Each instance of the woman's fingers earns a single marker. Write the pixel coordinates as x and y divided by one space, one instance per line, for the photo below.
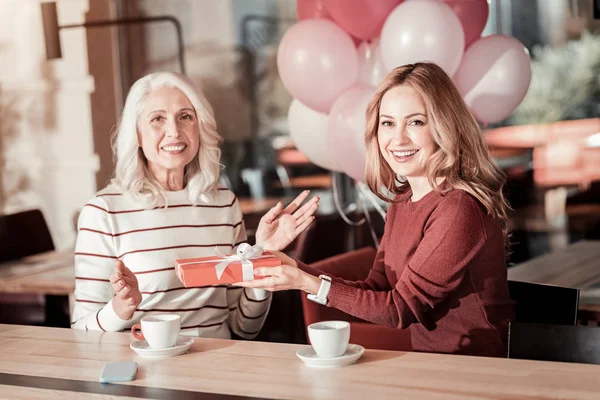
118 285
124 293
300 228
113 278
268 271
273 213
275 278
270 283
307 210
293 206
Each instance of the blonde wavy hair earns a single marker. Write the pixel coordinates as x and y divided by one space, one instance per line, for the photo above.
131 172
461 157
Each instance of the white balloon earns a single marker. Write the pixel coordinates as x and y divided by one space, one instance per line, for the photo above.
423 31
346 132
308 128
370 63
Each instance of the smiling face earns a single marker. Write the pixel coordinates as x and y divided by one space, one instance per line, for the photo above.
403 134
168 131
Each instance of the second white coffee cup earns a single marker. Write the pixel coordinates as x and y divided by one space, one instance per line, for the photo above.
329 338
160 331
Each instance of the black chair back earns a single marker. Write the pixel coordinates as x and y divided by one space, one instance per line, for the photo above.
578 344
544 304
24 234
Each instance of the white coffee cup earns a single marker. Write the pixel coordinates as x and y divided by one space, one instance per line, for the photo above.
329 338
160 331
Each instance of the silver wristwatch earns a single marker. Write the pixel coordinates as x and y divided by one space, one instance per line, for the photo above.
321 296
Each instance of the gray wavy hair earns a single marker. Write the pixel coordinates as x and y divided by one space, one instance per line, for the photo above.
131 172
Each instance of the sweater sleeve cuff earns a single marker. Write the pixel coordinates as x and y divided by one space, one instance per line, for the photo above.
308 269
109 321
257 294
341 296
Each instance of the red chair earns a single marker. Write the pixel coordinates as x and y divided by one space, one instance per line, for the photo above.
355 265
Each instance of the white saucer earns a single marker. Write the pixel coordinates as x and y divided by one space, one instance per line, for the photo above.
181 346
352 354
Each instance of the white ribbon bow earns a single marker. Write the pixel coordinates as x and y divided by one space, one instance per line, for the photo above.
244 254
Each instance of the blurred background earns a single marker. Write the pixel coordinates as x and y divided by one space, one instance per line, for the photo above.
66 67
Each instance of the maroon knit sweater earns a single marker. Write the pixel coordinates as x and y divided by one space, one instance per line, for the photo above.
441 270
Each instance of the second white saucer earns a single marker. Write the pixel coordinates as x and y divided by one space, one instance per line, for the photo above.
352 354
142 348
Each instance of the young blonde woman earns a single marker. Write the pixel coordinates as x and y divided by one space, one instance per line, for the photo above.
440 269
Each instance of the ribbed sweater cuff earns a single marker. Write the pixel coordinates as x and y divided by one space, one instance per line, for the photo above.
109 321
257 294
341 297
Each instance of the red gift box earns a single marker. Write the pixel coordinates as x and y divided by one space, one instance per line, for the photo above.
217 270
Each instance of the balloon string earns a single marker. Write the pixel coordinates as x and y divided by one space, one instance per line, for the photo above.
371 197
336 201
369 222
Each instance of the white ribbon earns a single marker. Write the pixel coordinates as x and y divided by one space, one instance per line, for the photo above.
244 254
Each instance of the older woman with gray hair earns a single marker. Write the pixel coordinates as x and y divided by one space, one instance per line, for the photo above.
164 204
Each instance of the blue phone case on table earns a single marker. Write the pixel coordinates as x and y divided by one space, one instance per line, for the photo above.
118 372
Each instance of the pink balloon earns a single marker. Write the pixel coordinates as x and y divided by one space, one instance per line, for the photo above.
346 130
494 77
308 129
317 61
361 18
473 15
309 9
423 30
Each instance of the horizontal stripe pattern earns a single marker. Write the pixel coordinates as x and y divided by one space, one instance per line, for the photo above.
101 194
159 228
148 241
204 246
95 255
90 301
81 278
174 206
176 310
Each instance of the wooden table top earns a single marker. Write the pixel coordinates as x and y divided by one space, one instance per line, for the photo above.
577 266
320 181
581 217
272 370
509 157
46 273
261 206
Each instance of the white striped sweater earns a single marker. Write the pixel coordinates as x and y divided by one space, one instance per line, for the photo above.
148 241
